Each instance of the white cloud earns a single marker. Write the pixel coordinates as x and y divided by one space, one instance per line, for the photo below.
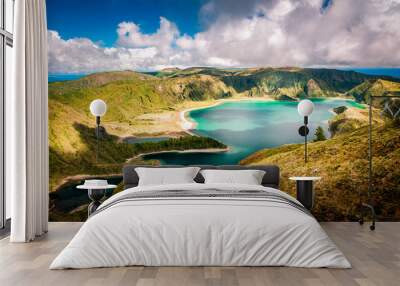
282 9
249 33
130 36
84 56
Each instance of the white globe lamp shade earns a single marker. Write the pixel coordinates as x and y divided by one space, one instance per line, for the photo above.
98 107
305 107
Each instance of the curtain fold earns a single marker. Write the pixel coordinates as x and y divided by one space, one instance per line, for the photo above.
28 159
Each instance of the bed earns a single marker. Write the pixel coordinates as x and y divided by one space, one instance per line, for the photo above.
198 224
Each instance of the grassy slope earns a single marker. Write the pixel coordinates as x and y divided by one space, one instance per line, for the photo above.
113 154
342 162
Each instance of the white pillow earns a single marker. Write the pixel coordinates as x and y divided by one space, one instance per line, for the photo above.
166 176
247 177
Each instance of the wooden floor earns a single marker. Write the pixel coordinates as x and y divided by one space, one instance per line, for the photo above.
375 257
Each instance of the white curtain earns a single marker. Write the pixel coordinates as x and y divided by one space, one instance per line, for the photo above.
27 157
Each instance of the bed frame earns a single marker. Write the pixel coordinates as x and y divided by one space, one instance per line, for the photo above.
270 179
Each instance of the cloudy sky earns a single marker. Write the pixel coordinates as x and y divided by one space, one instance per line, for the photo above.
153 34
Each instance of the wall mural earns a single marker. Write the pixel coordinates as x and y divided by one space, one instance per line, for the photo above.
218 82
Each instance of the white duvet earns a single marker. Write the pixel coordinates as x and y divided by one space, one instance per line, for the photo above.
194 231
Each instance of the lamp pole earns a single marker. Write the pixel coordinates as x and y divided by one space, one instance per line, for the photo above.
97 137
305 138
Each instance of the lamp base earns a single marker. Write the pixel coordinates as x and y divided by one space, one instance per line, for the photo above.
305 193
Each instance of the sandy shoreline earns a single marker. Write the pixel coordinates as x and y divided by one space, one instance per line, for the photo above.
188 124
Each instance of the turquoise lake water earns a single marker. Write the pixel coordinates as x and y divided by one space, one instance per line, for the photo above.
248 126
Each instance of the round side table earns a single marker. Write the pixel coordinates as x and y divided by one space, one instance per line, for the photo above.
304 190
95 194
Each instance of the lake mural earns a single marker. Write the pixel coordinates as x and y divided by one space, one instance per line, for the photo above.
248 126
204 82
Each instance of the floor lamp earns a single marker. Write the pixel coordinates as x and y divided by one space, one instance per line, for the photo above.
394 115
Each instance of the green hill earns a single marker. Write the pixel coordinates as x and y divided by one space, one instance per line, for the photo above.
128 95
342 162
374 87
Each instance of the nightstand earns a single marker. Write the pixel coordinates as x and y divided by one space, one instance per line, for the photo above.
304 190
95 193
